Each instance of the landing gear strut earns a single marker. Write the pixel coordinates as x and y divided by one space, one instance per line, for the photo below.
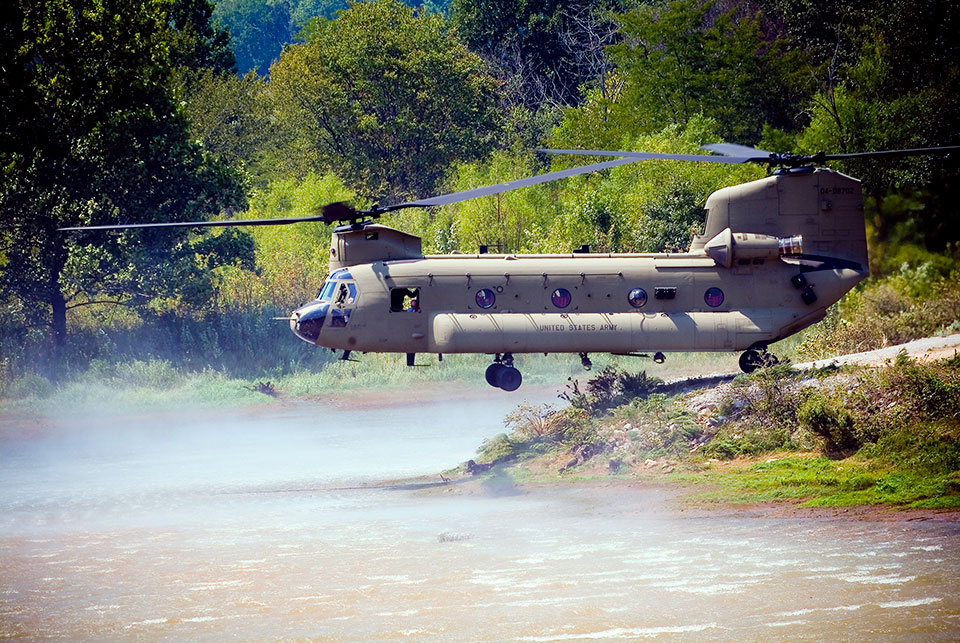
757 357
502 374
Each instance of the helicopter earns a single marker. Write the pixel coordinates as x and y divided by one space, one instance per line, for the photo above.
775 253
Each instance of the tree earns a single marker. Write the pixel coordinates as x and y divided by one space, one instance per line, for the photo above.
231 118
387 98
547 49
91 135
679 59
196 42
896 85
258 30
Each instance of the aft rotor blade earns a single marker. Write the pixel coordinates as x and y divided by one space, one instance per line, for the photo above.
456 197
910 152
650 156
198 224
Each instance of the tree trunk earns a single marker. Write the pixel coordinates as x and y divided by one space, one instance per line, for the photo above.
58 314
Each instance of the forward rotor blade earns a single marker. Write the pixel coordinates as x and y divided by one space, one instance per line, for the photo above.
330 213
732 149
198 224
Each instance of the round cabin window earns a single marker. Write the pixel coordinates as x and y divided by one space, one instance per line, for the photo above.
561 297
637 297
713 297
486 298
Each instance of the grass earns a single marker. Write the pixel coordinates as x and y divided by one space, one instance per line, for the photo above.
822 482
157 383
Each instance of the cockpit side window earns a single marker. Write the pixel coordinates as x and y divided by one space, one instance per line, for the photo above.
346 294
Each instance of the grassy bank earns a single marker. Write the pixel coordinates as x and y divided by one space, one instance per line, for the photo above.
887 435
154 383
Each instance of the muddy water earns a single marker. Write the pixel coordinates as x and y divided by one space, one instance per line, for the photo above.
273 525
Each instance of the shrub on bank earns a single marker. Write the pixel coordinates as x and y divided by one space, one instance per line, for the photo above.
912 303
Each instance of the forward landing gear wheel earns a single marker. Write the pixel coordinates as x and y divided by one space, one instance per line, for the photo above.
493 374
509 378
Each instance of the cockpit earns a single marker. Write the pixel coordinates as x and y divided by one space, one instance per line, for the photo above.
335 299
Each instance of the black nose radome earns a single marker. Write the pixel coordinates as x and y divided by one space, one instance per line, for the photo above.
306 322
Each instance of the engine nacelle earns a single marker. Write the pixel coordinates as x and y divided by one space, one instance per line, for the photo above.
743 248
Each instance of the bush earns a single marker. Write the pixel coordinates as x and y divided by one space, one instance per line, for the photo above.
611 387
889 310
29 386
155 374
499 446
832 421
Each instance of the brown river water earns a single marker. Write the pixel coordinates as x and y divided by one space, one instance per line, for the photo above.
277 524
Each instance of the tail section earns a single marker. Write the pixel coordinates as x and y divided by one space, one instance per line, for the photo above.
821 205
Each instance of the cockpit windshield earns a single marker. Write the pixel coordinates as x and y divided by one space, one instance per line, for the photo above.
330 285
326 291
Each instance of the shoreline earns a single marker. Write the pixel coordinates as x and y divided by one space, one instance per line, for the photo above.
677 499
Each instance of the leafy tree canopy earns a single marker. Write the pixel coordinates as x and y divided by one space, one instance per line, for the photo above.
387 98
681 59
896 86
547 49
92 135
259 29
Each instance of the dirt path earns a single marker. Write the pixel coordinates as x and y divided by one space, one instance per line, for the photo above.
929 348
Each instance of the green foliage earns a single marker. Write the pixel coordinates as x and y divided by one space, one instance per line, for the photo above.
642 207
548 49
919 300
292 261
516 221
93 135
497 447
894 84
258 31
534 423
681 59
829 419
609 388
155 374
386 97
197 42
30 385
231 119
759 414
869 413
822 482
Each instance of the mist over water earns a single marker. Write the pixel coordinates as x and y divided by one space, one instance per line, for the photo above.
272 524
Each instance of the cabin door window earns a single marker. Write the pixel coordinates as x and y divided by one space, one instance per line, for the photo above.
405 300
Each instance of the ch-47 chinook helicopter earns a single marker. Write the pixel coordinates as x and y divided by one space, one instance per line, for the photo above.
774 255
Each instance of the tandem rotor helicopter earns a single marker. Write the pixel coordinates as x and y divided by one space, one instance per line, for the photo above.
774 255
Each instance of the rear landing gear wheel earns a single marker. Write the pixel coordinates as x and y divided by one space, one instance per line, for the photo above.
751 360
509 378
502 374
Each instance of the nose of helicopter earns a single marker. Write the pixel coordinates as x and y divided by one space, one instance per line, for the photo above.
306 322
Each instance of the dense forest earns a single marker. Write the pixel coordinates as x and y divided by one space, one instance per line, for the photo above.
128 111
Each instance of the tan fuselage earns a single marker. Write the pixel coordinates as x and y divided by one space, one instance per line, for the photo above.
760 304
